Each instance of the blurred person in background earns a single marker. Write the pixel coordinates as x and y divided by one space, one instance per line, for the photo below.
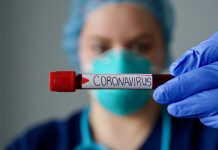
121 36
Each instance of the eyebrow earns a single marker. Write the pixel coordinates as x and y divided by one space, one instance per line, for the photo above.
132 40
140 36
99 38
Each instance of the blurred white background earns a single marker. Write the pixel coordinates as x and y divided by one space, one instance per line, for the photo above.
30 37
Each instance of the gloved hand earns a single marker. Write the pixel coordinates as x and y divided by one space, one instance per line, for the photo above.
194 90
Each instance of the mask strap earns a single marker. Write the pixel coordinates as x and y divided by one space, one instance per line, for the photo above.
84 127
86 140
166 130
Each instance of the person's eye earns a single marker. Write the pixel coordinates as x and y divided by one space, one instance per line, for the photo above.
100 48
142 48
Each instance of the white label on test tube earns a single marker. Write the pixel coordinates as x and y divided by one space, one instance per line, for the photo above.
117 81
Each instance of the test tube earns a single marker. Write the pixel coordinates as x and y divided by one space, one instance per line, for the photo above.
69 81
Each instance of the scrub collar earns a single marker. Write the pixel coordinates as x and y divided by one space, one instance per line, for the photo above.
87 143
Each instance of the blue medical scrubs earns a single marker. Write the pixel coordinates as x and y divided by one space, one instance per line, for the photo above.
186 134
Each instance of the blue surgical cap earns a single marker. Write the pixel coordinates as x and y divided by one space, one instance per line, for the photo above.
160 9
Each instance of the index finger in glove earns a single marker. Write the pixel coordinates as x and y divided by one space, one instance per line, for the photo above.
188 84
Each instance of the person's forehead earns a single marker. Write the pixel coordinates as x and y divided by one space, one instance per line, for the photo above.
120 17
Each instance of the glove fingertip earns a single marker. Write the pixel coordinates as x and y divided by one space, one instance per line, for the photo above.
172 110
173 69
210 121
179 67
183 64
159 95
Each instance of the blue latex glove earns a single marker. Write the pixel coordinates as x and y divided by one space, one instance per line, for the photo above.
194 90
